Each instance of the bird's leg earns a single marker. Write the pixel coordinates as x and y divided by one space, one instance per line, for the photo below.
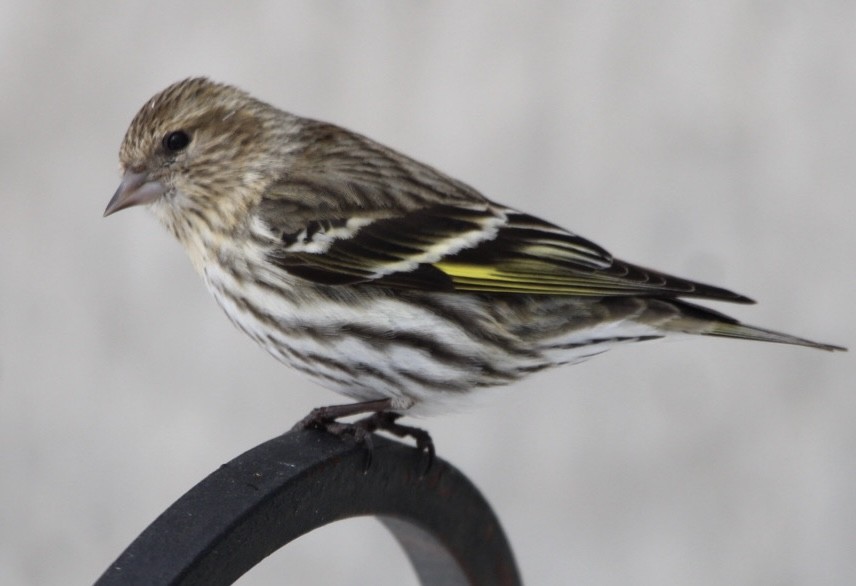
322 417
325 418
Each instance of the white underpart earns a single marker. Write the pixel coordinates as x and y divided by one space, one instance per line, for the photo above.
611 333
392 361
302 334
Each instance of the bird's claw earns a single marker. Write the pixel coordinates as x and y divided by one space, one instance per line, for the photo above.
360 431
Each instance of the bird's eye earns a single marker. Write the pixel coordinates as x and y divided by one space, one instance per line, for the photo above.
176 141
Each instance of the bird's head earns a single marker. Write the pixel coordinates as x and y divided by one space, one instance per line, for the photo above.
198 149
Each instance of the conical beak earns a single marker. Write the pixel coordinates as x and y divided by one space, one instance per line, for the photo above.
135 189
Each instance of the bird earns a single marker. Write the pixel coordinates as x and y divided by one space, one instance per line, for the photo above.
380 277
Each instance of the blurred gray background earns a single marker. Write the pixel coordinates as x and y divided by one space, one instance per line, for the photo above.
713 140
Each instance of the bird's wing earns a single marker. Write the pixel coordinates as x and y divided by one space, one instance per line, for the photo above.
473 247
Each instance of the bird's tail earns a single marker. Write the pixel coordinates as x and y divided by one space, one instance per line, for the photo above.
738 330
714 323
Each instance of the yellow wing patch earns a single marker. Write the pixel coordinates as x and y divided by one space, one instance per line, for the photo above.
473 277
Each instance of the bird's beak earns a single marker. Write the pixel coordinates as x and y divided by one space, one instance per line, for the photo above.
135 189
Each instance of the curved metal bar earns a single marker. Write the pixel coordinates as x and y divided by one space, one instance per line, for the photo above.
300 481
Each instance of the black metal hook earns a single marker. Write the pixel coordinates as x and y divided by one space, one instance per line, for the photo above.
300 481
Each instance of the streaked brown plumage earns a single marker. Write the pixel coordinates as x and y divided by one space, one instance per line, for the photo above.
378 276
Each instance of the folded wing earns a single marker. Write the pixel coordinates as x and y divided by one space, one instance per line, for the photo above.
480 248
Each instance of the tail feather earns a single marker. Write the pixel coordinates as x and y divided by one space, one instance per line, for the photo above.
738 330
714 323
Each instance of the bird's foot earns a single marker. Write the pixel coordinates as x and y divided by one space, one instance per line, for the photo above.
326 419
387 421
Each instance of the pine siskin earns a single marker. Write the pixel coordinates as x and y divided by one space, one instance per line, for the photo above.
379 277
